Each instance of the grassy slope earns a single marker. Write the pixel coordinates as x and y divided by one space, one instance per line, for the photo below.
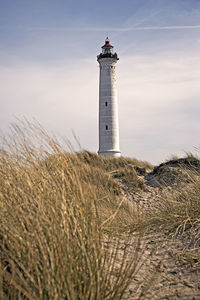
55 210
55 207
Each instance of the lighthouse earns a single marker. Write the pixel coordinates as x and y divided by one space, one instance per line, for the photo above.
108 104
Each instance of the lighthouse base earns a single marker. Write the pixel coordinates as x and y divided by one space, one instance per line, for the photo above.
110 153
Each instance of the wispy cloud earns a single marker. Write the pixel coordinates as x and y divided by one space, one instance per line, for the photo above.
114 29
163 27
138 28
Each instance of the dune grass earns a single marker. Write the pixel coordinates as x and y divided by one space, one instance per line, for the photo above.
55 210
180 210
125 169
65 220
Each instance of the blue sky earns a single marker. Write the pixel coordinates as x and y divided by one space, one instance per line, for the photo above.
49 72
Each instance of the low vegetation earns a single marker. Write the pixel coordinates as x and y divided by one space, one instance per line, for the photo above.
56 208
179 208
66 221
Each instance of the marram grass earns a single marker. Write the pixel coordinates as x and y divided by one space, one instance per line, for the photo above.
54 211
64 220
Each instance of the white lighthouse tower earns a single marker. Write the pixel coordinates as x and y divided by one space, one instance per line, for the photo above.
108 106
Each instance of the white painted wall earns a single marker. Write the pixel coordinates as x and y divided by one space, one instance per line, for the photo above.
108 113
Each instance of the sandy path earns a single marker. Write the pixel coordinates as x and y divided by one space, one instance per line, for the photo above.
167 274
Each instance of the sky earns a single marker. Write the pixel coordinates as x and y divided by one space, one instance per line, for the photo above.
49 71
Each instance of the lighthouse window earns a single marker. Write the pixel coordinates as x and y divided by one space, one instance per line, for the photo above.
106 127
106 103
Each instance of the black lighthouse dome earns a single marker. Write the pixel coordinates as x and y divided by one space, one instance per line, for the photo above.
107 50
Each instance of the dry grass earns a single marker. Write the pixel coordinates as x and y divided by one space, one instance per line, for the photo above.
55 208
61 215
178 211
112 164
126 170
